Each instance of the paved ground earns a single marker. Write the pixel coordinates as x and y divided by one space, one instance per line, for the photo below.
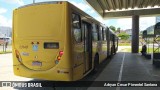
129 67
6 70
122 67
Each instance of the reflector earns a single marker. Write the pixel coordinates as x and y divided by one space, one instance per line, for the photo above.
59 58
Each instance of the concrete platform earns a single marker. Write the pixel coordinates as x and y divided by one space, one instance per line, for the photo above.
128 67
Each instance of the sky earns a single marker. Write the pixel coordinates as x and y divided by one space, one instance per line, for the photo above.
7 7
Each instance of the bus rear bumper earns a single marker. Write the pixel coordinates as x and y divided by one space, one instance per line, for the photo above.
55 74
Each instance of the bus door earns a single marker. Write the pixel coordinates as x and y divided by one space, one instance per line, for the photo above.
87 37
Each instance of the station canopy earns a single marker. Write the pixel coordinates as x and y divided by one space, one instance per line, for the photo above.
125 8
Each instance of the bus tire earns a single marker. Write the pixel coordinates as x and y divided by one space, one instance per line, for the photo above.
153 62
111 53
114 50
96 63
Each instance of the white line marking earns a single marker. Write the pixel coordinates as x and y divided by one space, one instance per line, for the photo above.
121 70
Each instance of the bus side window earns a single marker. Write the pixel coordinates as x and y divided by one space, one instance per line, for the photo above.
76 24
83 31
104 34
100 34
94 33
97 27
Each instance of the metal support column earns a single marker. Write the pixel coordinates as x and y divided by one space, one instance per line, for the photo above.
135 34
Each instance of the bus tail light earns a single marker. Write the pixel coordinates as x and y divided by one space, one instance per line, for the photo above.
60 53
59 57
18 56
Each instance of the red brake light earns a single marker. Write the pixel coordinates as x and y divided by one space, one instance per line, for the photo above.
59 56
61 53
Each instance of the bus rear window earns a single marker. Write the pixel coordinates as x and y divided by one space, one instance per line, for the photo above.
51 45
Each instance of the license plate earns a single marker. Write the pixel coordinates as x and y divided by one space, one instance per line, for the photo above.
36 63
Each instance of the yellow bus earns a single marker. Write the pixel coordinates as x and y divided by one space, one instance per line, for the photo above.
57 41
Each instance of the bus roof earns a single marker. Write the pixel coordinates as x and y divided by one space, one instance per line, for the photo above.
56 2
40 3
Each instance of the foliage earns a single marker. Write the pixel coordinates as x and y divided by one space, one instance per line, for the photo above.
124 44
113 28
123 36
118 29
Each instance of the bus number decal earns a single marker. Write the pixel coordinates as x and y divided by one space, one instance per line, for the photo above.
23 47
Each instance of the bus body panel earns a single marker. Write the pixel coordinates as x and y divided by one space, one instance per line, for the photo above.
30 36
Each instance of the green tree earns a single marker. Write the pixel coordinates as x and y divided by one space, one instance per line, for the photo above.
123 36
113 28
118 29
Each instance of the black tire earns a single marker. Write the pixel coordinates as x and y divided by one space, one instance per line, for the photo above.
153 62
111 53
96 63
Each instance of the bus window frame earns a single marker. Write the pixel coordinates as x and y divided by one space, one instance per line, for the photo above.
97 27
100 33
94 30
104 34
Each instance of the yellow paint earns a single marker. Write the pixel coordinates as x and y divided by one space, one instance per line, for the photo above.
49 23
